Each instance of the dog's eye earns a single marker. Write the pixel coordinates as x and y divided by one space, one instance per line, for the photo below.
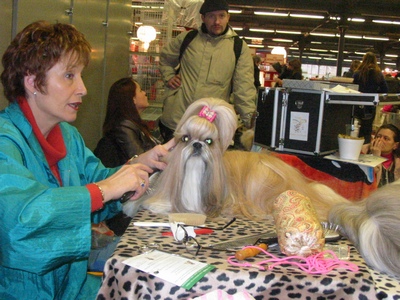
185 138
208 141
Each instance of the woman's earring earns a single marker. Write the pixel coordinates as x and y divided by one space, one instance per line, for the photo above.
34 93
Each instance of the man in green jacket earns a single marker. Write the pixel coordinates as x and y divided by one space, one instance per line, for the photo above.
207 69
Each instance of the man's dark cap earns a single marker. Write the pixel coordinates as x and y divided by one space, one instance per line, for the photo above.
213 5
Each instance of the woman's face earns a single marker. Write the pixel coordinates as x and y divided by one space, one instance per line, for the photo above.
63 95
140 99
386 137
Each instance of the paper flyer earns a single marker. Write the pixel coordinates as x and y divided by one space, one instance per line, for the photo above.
368 160
176 269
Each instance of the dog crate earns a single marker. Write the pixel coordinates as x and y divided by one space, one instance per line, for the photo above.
305 121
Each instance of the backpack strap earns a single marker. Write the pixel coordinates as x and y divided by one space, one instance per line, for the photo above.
186 41
237 47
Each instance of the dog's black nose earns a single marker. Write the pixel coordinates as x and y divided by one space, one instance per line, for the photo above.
197 146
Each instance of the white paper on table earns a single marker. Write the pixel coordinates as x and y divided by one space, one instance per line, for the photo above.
368 160
342 89
175 269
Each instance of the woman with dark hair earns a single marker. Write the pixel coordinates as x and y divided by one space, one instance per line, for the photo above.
370 79
353 67
292 70
125 134
386 144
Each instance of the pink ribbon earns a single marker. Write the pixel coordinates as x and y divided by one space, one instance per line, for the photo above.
207 113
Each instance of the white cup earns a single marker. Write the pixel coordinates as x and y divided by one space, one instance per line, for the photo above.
350 148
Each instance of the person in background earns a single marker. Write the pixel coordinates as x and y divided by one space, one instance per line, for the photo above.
52 185
125 134
386 144
353 67
257 62
292 70
207 69
370 79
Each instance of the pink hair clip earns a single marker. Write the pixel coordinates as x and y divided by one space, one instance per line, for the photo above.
207 113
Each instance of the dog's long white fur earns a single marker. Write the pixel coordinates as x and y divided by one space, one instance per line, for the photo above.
203 177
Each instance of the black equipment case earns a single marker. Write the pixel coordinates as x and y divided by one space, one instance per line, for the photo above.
305 121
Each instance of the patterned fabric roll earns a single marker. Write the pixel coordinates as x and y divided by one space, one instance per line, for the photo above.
297 226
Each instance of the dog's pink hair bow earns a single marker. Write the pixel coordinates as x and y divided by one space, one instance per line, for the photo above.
207 113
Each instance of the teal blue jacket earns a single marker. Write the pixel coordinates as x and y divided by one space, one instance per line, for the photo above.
45 231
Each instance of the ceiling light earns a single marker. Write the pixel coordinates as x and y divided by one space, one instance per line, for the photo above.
377 38
306 16
323 34
255 46
336 51
328 58
253 38
272 14
147 7
318 50
146 34
327 55
235 11
351 36
391 55
279 50
288 31
237 28
314 57
262 30
386 22
360 53
283 40
356 20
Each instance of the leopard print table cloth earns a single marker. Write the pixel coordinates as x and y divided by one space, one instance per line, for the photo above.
121 281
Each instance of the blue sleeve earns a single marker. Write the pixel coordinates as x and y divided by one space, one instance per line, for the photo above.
44 225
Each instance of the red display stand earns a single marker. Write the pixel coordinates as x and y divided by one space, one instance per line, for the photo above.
269 78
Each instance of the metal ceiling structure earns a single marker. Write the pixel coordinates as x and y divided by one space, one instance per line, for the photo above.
349 38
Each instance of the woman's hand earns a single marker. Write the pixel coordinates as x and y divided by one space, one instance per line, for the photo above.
130 178
154 158
134 176
376 146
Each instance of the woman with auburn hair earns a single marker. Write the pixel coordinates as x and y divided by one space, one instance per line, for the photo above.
52 185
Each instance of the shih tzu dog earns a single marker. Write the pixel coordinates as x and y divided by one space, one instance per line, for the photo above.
203 177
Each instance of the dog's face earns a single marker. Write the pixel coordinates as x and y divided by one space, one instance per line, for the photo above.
197 141
205 134
193 179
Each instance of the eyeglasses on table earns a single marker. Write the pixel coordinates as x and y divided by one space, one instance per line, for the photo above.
192 246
